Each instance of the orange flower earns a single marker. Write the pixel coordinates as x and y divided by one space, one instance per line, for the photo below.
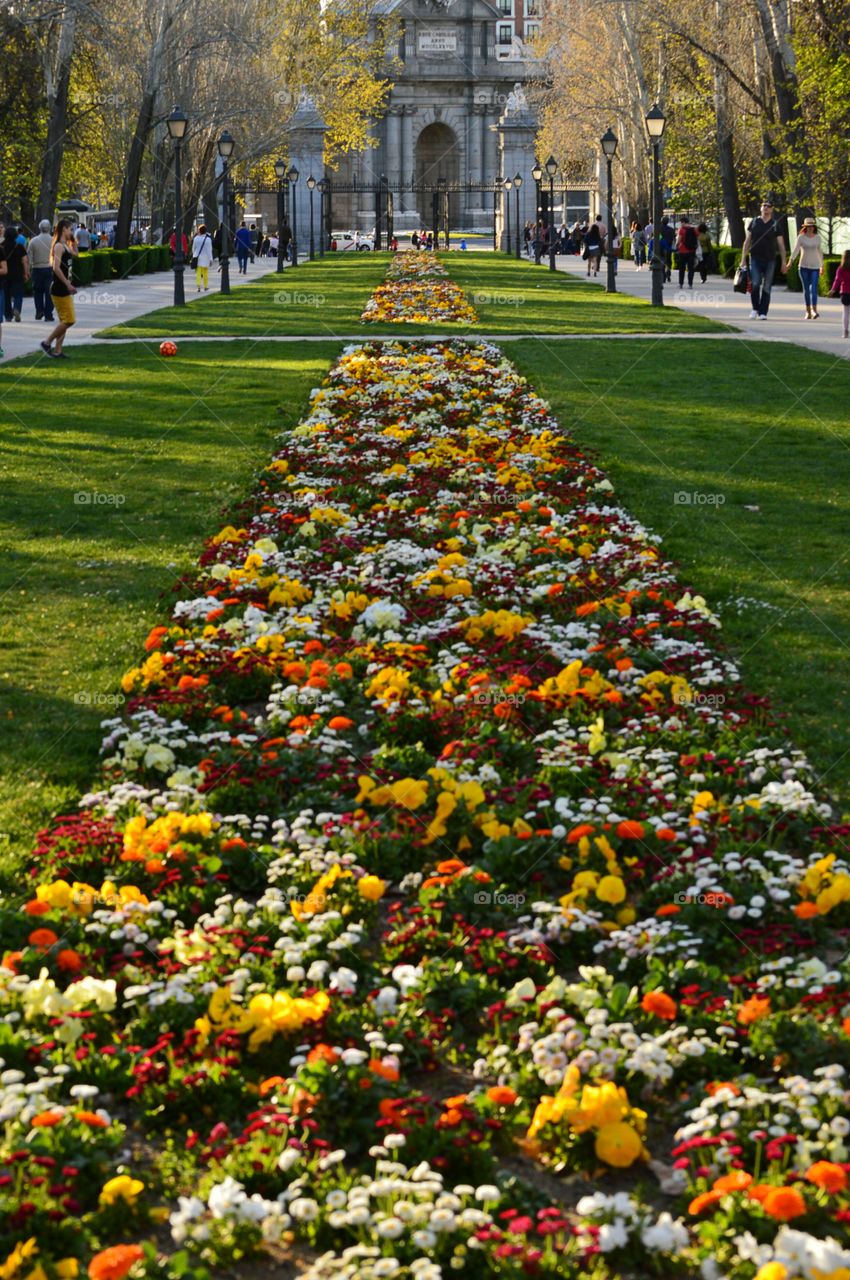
630 830
92 1119
340 722
47 1119
668 909
828 1176
714 1086
43 938
737 1180
379 1068
458 1100
114 1263
753 1009
272 1082
663 1006
703 1201
503 1095
450 1119
845 1026
322 1053
783 1203
37 908
69 961
806 910
579 832
11 958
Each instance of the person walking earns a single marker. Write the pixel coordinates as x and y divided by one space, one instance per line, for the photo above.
285 240
17 273
62 289
841 289
666 240
42 272
761 246
687 243
242 248
593 244
202 258
83 238
705 253
808 248
638 246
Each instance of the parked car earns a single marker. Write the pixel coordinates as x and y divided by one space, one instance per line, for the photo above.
357 240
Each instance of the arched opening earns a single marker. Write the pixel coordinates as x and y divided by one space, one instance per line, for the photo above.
437 163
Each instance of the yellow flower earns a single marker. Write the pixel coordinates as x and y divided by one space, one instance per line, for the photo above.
371 888
618 1145
611 889
67 1268
773 1271
16 1259
123 1187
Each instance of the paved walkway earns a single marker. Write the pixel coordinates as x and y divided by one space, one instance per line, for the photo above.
715 299
99 306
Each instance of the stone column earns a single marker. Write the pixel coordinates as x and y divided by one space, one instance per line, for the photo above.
406 155
490 164
393 156
475 215
516 130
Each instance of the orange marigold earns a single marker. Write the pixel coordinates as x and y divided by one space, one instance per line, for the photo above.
737 1180
47 1119
69 961
503 1095
827 1175
662 1005
753 1009
43 938
628 830
703 1201
114 1263
784 1203
92 1119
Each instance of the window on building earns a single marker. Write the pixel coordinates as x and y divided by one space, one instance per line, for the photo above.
532 8
532 30
506 7
506 32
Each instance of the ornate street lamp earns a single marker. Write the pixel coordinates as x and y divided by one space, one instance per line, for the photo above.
177 123
517 185
655 122
537 175
225 147
552 169
508 186
608 142
293 250
311 187
280 174
322 184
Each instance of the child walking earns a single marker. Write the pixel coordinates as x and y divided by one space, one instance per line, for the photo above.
841 289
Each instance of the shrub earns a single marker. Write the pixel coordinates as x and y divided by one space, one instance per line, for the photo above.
82 270
120 259
830 266
101 265
627 246
727 260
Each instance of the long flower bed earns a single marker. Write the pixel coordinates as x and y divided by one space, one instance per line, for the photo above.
446 904
417 290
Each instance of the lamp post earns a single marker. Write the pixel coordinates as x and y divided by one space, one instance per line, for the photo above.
608 142
537 175
280 174
293 244
552 169
177 123
517 185
655 122
225 146
311 187
508 186
323 186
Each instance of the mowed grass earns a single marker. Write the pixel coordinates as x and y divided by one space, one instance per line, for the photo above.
742 463
327 297
114 469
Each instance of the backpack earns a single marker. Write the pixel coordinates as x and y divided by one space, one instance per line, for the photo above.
690 239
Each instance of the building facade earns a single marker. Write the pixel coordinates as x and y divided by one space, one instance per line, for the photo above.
458 83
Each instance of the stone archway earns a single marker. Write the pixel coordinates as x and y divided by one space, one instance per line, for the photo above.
437 160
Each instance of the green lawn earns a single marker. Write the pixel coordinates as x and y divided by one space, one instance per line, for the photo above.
743 426
156 448
327 297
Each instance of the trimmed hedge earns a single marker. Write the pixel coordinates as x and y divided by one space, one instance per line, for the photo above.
728 260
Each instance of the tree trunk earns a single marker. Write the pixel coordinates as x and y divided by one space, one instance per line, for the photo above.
133 170
775 20
57 80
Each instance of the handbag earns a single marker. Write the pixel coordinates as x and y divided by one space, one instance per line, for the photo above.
741 281
193 261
